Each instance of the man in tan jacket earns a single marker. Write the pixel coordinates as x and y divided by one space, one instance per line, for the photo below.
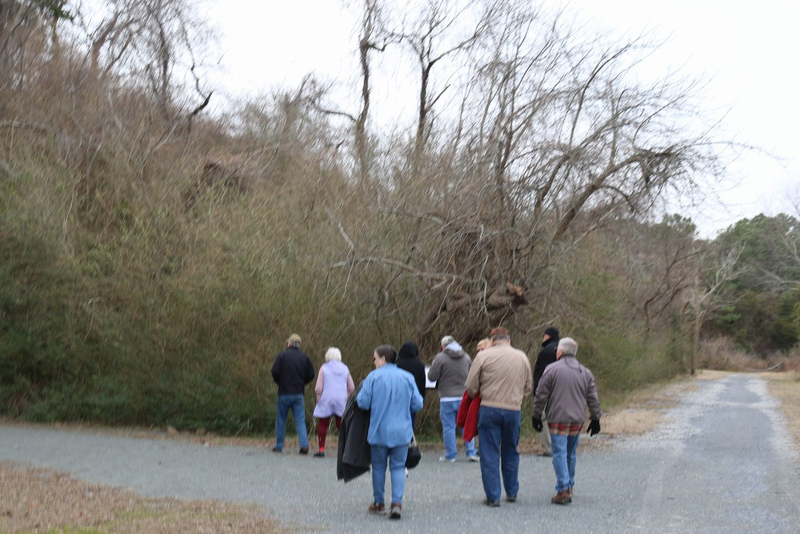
502 375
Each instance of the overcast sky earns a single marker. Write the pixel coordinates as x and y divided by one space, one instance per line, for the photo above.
749 50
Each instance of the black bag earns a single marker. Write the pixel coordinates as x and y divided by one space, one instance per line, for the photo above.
414 454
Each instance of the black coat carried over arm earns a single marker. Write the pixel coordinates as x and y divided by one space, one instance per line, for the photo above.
354 455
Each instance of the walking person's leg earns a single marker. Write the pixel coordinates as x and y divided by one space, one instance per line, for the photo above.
397 466
322 431
338 422
299 414
561 468
509 453
544 438
572 457
560 461
447 415
281 411
379 456
472 453
490 432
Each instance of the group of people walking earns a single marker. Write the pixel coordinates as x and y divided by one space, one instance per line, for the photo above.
484 395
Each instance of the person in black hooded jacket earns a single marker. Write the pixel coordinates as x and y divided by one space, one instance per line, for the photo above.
546 356
408 360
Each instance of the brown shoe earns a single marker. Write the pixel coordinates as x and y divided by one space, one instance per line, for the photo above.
377 508
394 511
569 490
562 497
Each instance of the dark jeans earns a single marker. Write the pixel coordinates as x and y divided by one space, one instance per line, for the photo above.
498 431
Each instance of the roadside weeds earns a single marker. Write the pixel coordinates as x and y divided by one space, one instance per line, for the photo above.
38 500
786 388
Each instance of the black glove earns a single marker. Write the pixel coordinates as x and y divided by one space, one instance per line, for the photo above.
537 424
594 427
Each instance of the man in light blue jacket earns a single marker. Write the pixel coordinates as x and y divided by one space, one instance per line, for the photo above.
390 395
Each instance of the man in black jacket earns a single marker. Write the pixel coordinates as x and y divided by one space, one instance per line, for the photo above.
292 370
546 356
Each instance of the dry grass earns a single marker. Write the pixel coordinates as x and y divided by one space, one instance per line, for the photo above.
786 388
640 411
634 414
710 374
36 500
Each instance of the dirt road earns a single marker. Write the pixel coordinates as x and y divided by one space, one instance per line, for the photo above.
722 461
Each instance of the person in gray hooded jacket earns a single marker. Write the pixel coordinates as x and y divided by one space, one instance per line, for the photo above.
449 370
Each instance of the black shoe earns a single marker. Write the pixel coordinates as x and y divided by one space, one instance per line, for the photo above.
509 498
276 449
304 450
319 454
394 511
492 504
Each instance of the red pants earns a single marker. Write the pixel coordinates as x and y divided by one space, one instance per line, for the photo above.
322 429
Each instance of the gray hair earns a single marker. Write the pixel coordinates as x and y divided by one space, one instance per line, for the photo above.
568 346
333 354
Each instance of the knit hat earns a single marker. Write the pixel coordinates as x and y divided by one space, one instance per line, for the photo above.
551 331
408 350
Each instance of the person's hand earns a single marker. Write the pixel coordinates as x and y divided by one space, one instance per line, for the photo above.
594 427
537 424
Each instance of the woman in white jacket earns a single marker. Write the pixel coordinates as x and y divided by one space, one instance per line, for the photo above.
334 385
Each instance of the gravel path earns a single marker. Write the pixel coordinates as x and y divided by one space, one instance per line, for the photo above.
721 462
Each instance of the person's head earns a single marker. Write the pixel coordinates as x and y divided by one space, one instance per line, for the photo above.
293 341
333 354
384 354
566 347
446 340
408 350
500 334
484 343
551 332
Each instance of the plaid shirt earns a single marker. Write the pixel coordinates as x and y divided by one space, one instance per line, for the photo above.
565 429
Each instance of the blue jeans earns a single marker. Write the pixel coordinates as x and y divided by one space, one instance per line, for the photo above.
396 458
448 410
298 406
565 453
498 430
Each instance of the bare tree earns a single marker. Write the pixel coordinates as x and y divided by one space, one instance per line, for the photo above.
24 23
556 135
711 275
149 40
439 32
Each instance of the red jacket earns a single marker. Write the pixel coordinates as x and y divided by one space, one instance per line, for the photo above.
467 417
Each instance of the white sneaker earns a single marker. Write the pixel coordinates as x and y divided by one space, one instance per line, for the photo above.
446 459
406 468
475 458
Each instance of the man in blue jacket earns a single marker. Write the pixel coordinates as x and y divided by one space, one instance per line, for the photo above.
292 370
390 395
